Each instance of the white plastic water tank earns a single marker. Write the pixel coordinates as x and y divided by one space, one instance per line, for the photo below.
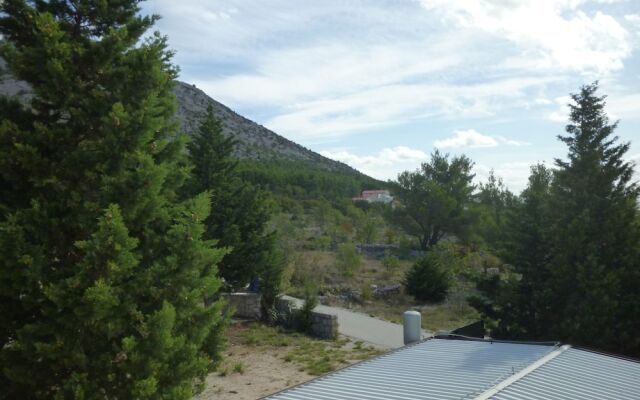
412 326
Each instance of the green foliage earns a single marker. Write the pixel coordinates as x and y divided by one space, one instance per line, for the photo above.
366 292
103 273
495 204
271 284
434 199
391 263
368 230
304 320
301 180
517 305
575 245
428 280
594 265
348 261
240 212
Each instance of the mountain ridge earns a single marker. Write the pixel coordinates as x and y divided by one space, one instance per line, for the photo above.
254 141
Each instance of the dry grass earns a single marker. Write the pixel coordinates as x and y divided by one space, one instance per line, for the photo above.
261 360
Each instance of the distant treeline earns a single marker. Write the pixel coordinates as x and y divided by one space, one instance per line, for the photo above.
303 181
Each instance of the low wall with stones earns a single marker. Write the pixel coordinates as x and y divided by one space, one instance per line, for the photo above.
324 326
246 305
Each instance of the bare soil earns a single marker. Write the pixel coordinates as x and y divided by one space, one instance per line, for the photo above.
262 360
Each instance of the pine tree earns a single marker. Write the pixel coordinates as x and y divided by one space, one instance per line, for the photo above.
103 272
240 211
495 202
575 244
596 234
517 306
434 199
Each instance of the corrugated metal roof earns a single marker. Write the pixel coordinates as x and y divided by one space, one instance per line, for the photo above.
433 369
580 375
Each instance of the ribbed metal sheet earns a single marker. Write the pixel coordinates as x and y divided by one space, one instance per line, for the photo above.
435 369
580 375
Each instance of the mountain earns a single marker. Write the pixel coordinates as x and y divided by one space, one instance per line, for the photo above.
255 142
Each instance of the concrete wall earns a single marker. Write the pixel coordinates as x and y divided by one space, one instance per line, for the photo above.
246 305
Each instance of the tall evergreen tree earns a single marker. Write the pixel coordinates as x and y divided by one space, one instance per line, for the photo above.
518 305
575 244
103 272
596 236
240 211
495 202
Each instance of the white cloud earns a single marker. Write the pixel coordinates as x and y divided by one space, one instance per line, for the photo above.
634 18
623 106
471 138
555 33
286 77
397 103
468 138
387 164
561 114
511 142
320 71
543 101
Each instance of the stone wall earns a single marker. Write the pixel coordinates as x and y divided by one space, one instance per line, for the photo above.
324 326
246 305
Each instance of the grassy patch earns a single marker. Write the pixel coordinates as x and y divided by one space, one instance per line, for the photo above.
447 317
238 368
314 356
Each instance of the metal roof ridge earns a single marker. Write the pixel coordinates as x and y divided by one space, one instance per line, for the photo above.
522 373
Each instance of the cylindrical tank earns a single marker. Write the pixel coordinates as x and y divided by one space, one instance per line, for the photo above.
412 324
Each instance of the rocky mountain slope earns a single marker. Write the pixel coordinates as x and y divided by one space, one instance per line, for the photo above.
255 142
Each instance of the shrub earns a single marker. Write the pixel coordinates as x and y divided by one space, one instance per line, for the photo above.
238 368
271 281
304 318
427 280
367 292
391 263
348 261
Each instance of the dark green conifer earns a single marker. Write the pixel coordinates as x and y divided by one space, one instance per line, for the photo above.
596 237
240 211
103 272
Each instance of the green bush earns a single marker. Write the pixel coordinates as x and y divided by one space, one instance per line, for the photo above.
391 263
427 280
348 261
367 292
304 315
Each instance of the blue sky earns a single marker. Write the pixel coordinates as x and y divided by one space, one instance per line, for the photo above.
380 84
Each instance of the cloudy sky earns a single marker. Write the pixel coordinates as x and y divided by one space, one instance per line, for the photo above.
380 84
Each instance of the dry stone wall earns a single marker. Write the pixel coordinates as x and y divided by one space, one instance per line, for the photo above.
246 305
323 325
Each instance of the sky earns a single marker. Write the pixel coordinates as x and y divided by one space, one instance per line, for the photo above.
380 84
